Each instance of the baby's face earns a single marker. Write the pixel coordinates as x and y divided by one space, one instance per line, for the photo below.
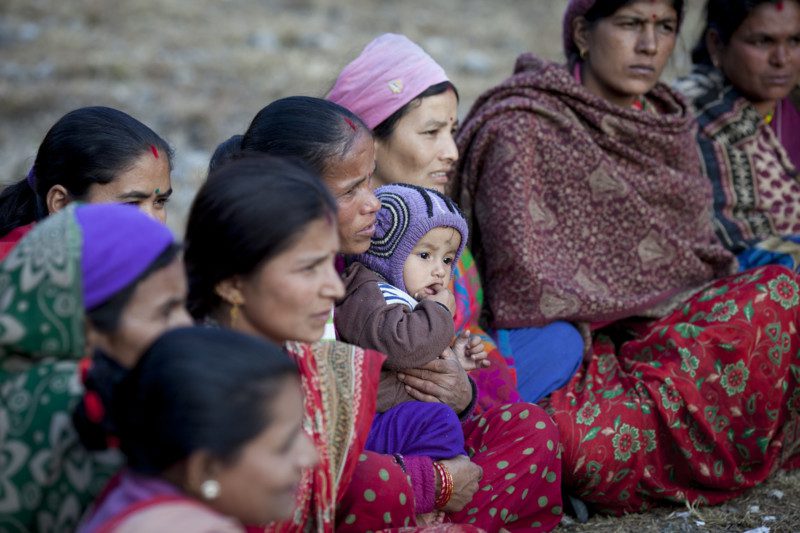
428 268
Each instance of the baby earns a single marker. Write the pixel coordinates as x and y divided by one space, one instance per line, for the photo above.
397 297
397 301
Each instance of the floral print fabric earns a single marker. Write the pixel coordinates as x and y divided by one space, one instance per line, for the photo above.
698 406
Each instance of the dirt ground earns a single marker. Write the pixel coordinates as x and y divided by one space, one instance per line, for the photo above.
773 507
197 71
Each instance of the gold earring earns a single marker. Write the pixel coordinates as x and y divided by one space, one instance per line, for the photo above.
583 53
234 313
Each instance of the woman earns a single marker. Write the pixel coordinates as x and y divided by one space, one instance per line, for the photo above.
188 467
744 92
339 147
686 392
134 169
408 102
280 284
69 287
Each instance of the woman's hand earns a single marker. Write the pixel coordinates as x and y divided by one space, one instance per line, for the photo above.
466 476
442 380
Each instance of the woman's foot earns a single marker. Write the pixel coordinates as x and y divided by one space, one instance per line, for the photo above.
576 508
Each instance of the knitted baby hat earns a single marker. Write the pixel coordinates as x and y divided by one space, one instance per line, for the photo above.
407 213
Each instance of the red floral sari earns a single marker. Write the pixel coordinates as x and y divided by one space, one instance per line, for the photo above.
698 406
350 490
340 384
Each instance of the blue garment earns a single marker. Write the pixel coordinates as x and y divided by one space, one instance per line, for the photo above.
776 251
417 428
545 358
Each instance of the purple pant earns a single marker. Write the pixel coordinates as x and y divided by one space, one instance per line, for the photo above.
417 428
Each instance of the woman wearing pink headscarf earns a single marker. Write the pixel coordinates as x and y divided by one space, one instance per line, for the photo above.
408 102
405 98
585 185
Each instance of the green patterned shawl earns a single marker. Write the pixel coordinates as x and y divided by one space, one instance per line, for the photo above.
46 477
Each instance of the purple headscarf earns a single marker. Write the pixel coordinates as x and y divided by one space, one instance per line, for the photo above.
119 244
390 72
575 9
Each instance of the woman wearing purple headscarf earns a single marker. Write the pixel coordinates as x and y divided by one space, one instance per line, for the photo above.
589 205
71 286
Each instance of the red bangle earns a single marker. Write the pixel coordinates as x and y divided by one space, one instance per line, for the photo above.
446 490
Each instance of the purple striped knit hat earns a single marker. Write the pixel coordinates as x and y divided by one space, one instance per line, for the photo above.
407 213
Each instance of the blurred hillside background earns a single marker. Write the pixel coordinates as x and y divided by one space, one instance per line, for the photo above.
197 71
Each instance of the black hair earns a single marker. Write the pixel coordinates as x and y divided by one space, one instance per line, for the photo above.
724 17
248 211
310 129
197 389
601 10
385 129
225 151
86 146
105 316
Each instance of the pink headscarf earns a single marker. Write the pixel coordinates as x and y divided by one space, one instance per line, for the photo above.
389 73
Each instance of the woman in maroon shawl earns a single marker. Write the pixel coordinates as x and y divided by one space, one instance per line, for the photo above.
589 206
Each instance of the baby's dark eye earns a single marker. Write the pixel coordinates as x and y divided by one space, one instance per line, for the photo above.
448 260
424 255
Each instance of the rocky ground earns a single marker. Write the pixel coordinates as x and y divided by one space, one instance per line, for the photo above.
196 71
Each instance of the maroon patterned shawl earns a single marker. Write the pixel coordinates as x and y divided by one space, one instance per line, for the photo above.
583 210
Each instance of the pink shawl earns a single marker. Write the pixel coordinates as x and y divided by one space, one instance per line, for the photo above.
583 210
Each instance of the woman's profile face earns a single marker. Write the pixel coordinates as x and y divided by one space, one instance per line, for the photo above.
290 296
260 486
349 179
157 304
627 51
762 59
421 150
146 184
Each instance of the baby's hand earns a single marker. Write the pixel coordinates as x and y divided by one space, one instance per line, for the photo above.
444 297
476 351
469 351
